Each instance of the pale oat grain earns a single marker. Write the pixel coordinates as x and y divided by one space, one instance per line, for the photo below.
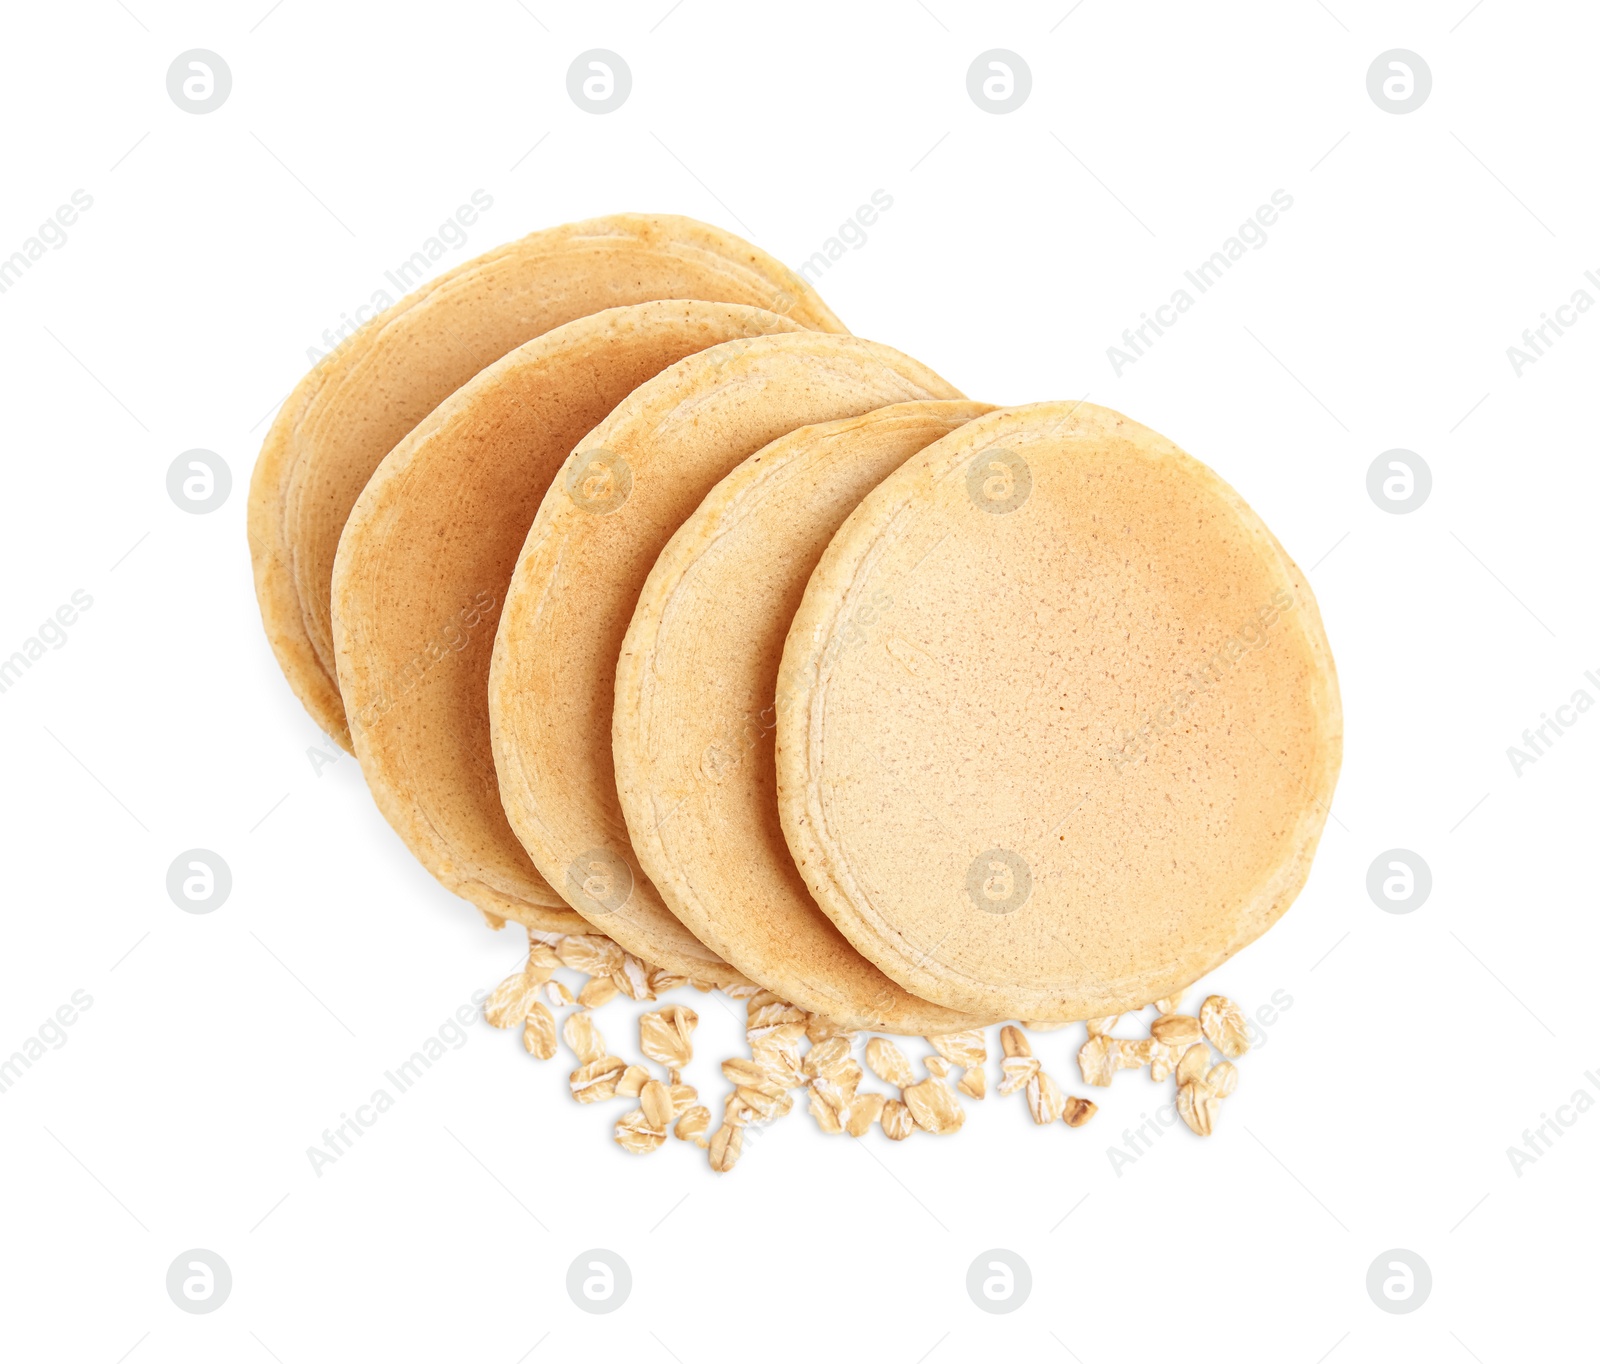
1225 1025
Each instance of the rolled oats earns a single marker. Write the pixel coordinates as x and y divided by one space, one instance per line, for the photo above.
655 1102
1197 1106
1223 1078
865 1110
962 1048
664 1035
633 1080
889 1063
510 1000
1224 1023
778 1053
1195 1062
1045 1100
973 1082
1076 1111
636 1133
1098 1026
1013 1042
726 1144
1176 1029
597 1079
1099 1059
1017 1072
825 1112
539 1032
597 993
896 1120
692 1125
632 978
589 953
584 1037
934 1107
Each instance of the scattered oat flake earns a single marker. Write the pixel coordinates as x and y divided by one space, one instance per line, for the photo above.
889 1063
683 1097
937 1066
633 1080
1169 1005
973 1082
1223 1078
824 1111
828 1057
584 1037
864 1111
1133 1053
896 1120
655 1102
1197 1106
1076 1111
557 993
590 954
726 1144
597 993
1045 1100
778 1053
1176 1029
664 1035
635 1133
662 981
1016 1072
934 1107
633 979
1196 1061
692 1125
597 1079
508 1004
1013 1042
1098 1060
542 955
1164 1060
1098 1026
962 1048
539 1032
1225 1025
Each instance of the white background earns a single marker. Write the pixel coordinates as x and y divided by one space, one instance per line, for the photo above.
1418 1047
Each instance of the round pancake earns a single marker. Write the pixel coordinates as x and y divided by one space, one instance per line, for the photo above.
423 567
356 404
1087 753
696 697
615 504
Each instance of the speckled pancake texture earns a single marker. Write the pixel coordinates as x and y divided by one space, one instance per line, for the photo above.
696 701
1084 751
611 510
356 404
422 571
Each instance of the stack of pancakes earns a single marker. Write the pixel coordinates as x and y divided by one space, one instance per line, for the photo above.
655 604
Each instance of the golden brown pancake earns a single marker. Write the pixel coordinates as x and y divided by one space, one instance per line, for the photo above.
423 567
354 407
696 702
624 491
1087 751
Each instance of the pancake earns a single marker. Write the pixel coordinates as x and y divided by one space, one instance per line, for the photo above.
423 567
357 403
624 491
695 705
1086 754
